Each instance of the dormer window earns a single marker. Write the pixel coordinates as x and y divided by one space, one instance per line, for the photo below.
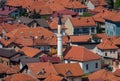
41 72
68 72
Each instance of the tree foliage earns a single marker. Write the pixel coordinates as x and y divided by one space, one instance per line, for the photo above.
117 4
110 4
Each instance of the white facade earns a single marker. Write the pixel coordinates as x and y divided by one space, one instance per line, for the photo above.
90 5
108 53
88 66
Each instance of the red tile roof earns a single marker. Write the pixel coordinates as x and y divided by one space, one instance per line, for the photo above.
70 69
103 74
107 44
3 68
65 12
84 38
113 16
54 25
53 78
75 5
42 66
117 73
30 52
82 54
100 16
83 22
10 27
99 2
20 77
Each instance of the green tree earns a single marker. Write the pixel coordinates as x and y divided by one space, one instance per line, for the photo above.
110 4
117 4
35 15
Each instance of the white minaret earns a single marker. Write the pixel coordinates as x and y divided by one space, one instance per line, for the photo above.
59 38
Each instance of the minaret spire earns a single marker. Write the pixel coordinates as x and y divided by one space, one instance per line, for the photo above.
59 37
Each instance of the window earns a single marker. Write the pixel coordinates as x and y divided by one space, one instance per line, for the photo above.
86 66
105 54
96 65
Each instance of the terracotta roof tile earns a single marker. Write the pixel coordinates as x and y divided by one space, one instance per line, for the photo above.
20 77
3 68
107 44
54 25
117 73
103 74
100 17
84 38
113 16
53 78
83 22
10 27
82 54
99 2
74 4
42 66
70 69
30 52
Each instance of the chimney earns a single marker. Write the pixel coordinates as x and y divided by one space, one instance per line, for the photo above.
59 37
3 8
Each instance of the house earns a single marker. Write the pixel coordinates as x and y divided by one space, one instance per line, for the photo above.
6 27
88 60
108 50
112 24
31 52
21 61
80 26
76 6
33 37
32 22
9 11
92 4
22 77
7 70
43 70
6 54
102 75
100 21
72 71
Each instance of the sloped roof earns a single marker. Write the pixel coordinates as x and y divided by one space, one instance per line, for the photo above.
99 2
30 52
45 67
84 38
83 22
53 78
20 77
70 69
117 73
113 16
103 74
107 44
82 54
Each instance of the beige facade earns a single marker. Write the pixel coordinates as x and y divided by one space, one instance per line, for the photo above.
69 26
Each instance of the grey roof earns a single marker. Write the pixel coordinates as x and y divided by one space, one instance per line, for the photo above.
5 52
27 21
24 59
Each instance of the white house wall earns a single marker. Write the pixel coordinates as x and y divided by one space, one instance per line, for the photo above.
110 53
91 65
69 27
90 5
